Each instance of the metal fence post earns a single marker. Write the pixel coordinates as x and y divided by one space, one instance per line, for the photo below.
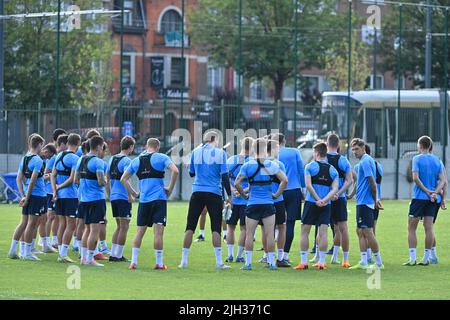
399 84
349 86
445 137
296 59
58 63
222 117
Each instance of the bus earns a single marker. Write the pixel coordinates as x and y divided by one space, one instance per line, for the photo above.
373 116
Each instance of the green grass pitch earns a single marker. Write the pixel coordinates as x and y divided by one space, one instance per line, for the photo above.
48 279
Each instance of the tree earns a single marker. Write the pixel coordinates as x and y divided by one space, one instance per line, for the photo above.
30 57
413 44
337 65
268 35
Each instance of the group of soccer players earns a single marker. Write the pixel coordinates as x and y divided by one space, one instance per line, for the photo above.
64 187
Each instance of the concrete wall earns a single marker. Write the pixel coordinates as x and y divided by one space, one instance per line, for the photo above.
10 163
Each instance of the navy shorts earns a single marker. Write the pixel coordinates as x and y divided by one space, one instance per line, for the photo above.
339 211
95 212
438 206
280 213
237 213
376 213
36 206
260 211
153 212
50 204
67 207
316 216
121 209
81 211
364 216
422 208
293 203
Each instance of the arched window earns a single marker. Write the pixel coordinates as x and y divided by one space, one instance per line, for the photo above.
171 21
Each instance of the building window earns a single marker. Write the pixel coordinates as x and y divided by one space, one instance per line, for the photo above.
379 82
171 22
126 70
215 79
256 90
176 72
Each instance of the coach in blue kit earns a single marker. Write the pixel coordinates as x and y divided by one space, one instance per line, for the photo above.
65 192
90 172
293 196
150 168
367 201
208 166
429 179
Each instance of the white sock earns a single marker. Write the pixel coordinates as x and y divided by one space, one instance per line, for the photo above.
22 248
184 256
346 256
239 252
276 234
103 245
90 255
119 251
27 249
218 253
433 253
322 255
378 258
32 244
96 251
280 254
364 258
230 250
83 251
286 256
412 254
248 257
44 244
304 257
47 242
426 255
335 253
134 255
159 257
76 243
202 232
369 253
64 250
271 258
114 250
13 248
54 241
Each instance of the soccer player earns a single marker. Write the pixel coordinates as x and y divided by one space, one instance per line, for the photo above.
322 183
90 173
150 168
339 202
293 196
81 208
31 185
208 166
49 154
234 165
65 193
260 173
120 201
429 179
367 201
273 149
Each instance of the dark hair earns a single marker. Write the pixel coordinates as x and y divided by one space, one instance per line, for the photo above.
127 142
425 142
95 142
358 142
50 147
367 149
247 143
333 140
259 145
321 148
74 139
85 148
57 133
92 133
62 139
35 140
278 137
271 144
